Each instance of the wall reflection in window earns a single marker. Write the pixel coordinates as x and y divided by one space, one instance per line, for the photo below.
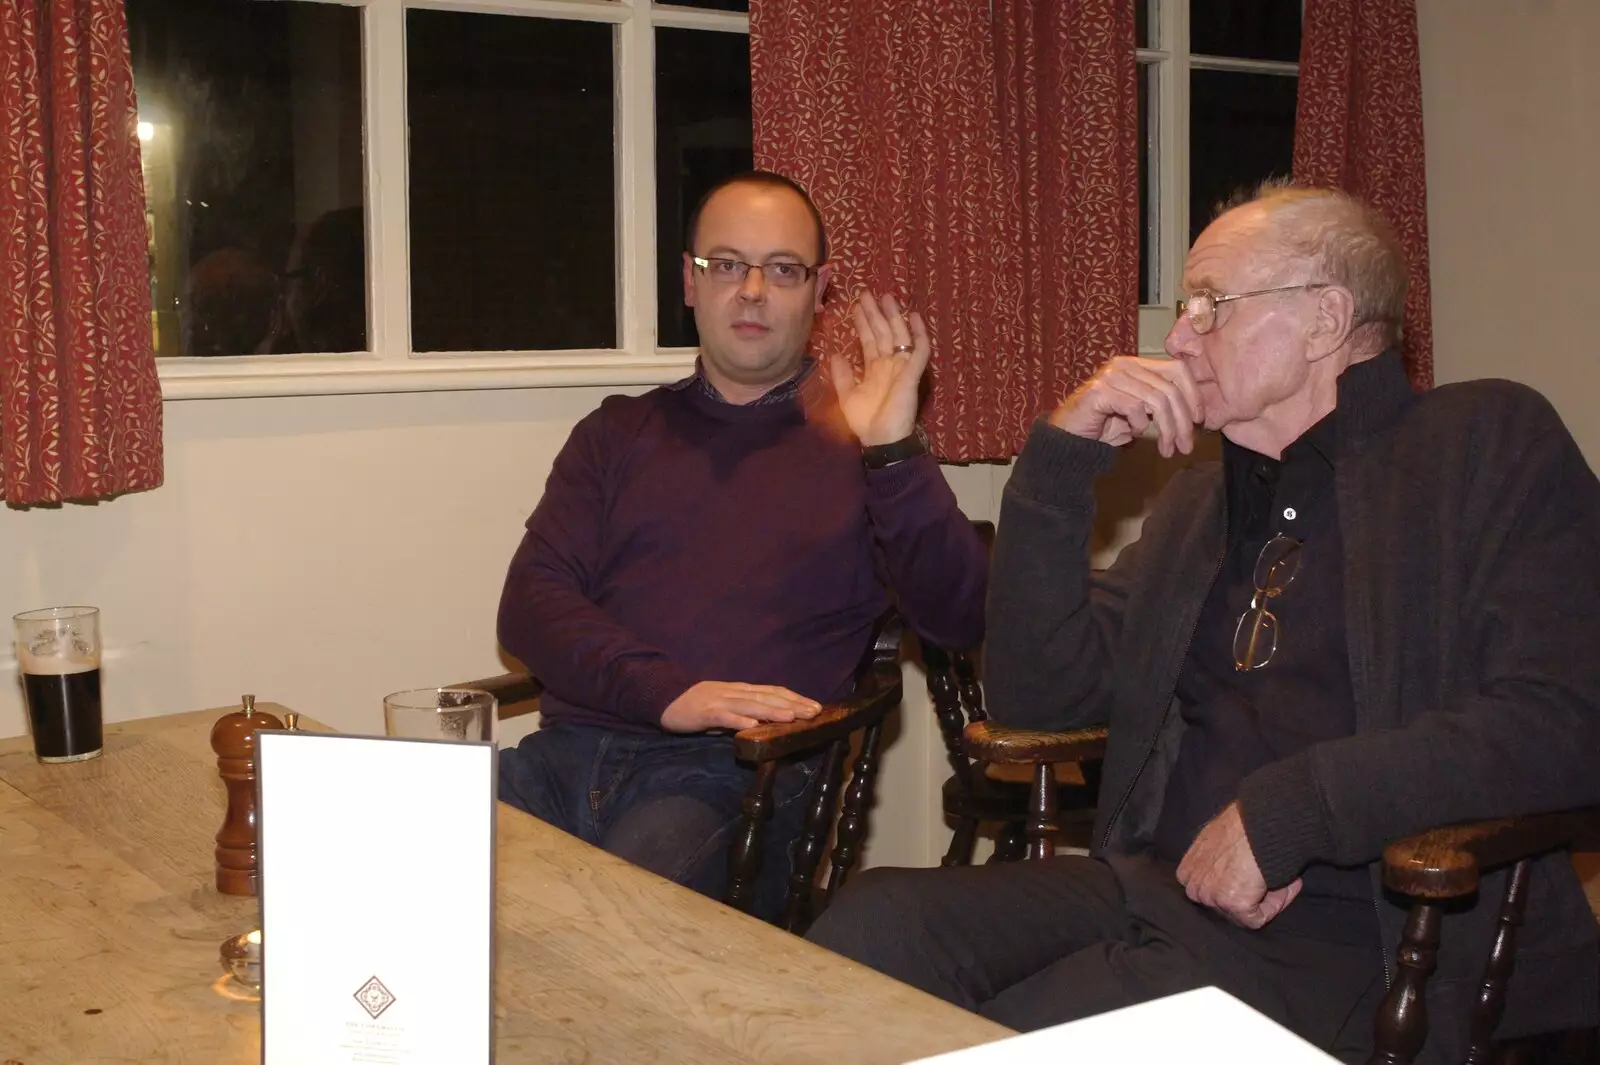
250 127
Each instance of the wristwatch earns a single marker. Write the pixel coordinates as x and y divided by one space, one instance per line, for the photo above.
878 456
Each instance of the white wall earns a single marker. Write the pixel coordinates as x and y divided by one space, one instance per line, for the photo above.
317 551
1511 96
323 551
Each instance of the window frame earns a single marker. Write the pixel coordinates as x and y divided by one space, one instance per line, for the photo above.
1169 153
390 364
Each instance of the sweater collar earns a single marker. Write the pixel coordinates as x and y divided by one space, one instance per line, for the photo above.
780 393
1372 396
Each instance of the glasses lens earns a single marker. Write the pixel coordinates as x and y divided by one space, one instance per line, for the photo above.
1277 565
1202 311
1255 639
729 271
784 275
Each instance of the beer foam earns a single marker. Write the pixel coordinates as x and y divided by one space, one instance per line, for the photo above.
61 665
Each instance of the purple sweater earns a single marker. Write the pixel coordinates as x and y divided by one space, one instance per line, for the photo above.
682 539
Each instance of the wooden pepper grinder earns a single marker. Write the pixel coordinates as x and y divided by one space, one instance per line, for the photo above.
233 737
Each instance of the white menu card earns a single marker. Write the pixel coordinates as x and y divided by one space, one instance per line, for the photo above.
1203 1027
377 900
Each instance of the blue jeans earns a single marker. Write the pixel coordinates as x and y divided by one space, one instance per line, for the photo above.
666 802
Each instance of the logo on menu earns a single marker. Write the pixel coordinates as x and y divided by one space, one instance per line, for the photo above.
374 997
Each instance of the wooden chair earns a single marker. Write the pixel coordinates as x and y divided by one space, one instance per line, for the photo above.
856 723
1431 869
995 792
998 792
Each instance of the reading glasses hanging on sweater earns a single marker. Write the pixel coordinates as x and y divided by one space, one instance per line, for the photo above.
1255 638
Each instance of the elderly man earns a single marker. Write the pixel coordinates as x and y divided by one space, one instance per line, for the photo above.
714 554
1376 615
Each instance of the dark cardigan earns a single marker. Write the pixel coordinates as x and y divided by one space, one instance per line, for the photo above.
1471 531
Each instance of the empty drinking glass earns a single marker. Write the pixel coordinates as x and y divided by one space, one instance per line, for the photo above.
440 714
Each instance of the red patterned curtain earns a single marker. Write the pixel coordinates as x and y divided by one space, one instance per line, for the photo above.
1358 127
80 405
979 161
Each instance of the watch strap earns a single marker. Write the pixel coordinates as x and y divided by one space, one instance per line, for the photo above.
878 456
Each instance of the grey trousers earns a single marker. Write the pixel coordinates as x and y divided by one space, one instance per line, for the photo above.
1035 943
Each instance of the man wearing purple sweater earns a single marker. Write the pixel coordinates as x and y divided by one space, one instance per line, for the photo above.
714 553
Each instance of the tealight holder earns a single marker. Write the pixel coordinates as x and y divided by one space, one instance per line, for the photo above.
241 956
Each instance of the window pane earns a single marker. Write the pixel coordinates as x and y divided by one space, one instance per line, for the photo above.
702 136
715 5
250 131
1145 23
512 210
1241 132
1149 186
1246 29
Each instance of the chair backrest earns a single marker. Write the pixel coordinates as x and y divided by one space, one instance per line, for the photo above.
954 689
833 809
515 694
957 700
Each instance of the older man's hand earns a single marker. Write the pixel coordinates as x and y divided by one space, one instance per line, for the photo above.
1219 870
1129 394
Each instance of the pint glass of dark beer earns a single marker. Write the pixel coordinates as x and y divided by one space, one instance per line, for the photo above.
58 655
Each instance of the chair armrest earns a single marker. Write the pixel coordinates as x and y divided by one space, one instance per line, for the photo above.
879 692
1445 863
1001 744
516 693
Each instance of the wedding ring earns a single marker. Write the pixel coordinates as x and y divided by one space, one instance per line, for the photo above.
902 349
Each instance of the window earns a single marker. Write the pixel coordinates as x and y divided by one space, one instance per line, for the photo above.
250 130
1218 81
375 195
511 213
356 195
702 92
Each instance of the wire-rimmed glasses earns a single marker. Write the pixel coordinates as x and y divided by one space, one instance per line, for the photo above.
1201 306
1255 638
780 274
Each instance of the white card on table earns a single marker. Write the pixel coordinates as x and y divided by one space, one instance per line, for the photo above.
1203 1027
377 900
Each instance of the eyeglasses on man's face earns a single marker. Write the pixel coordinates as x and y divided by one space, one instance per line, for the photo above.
1255 638
1201 306
780 274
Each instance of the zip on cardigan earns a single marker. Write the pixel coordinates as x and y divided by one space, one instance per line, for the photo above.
1166 710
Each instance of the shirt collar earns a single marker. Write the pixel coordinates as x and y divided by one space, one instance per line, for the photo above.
780 393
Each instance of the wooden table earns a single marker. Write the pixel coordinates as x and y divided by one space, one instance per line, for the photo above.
109 930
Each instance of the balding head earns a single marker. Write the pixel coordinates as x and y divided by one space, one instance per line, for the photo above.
1330 235
1299 285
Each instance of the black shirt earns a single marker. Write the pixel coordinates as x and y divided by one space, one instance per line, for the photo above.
1237 722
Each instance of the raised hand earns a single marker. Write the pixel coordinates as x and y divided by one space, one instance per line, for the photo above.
1127 395
880 405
